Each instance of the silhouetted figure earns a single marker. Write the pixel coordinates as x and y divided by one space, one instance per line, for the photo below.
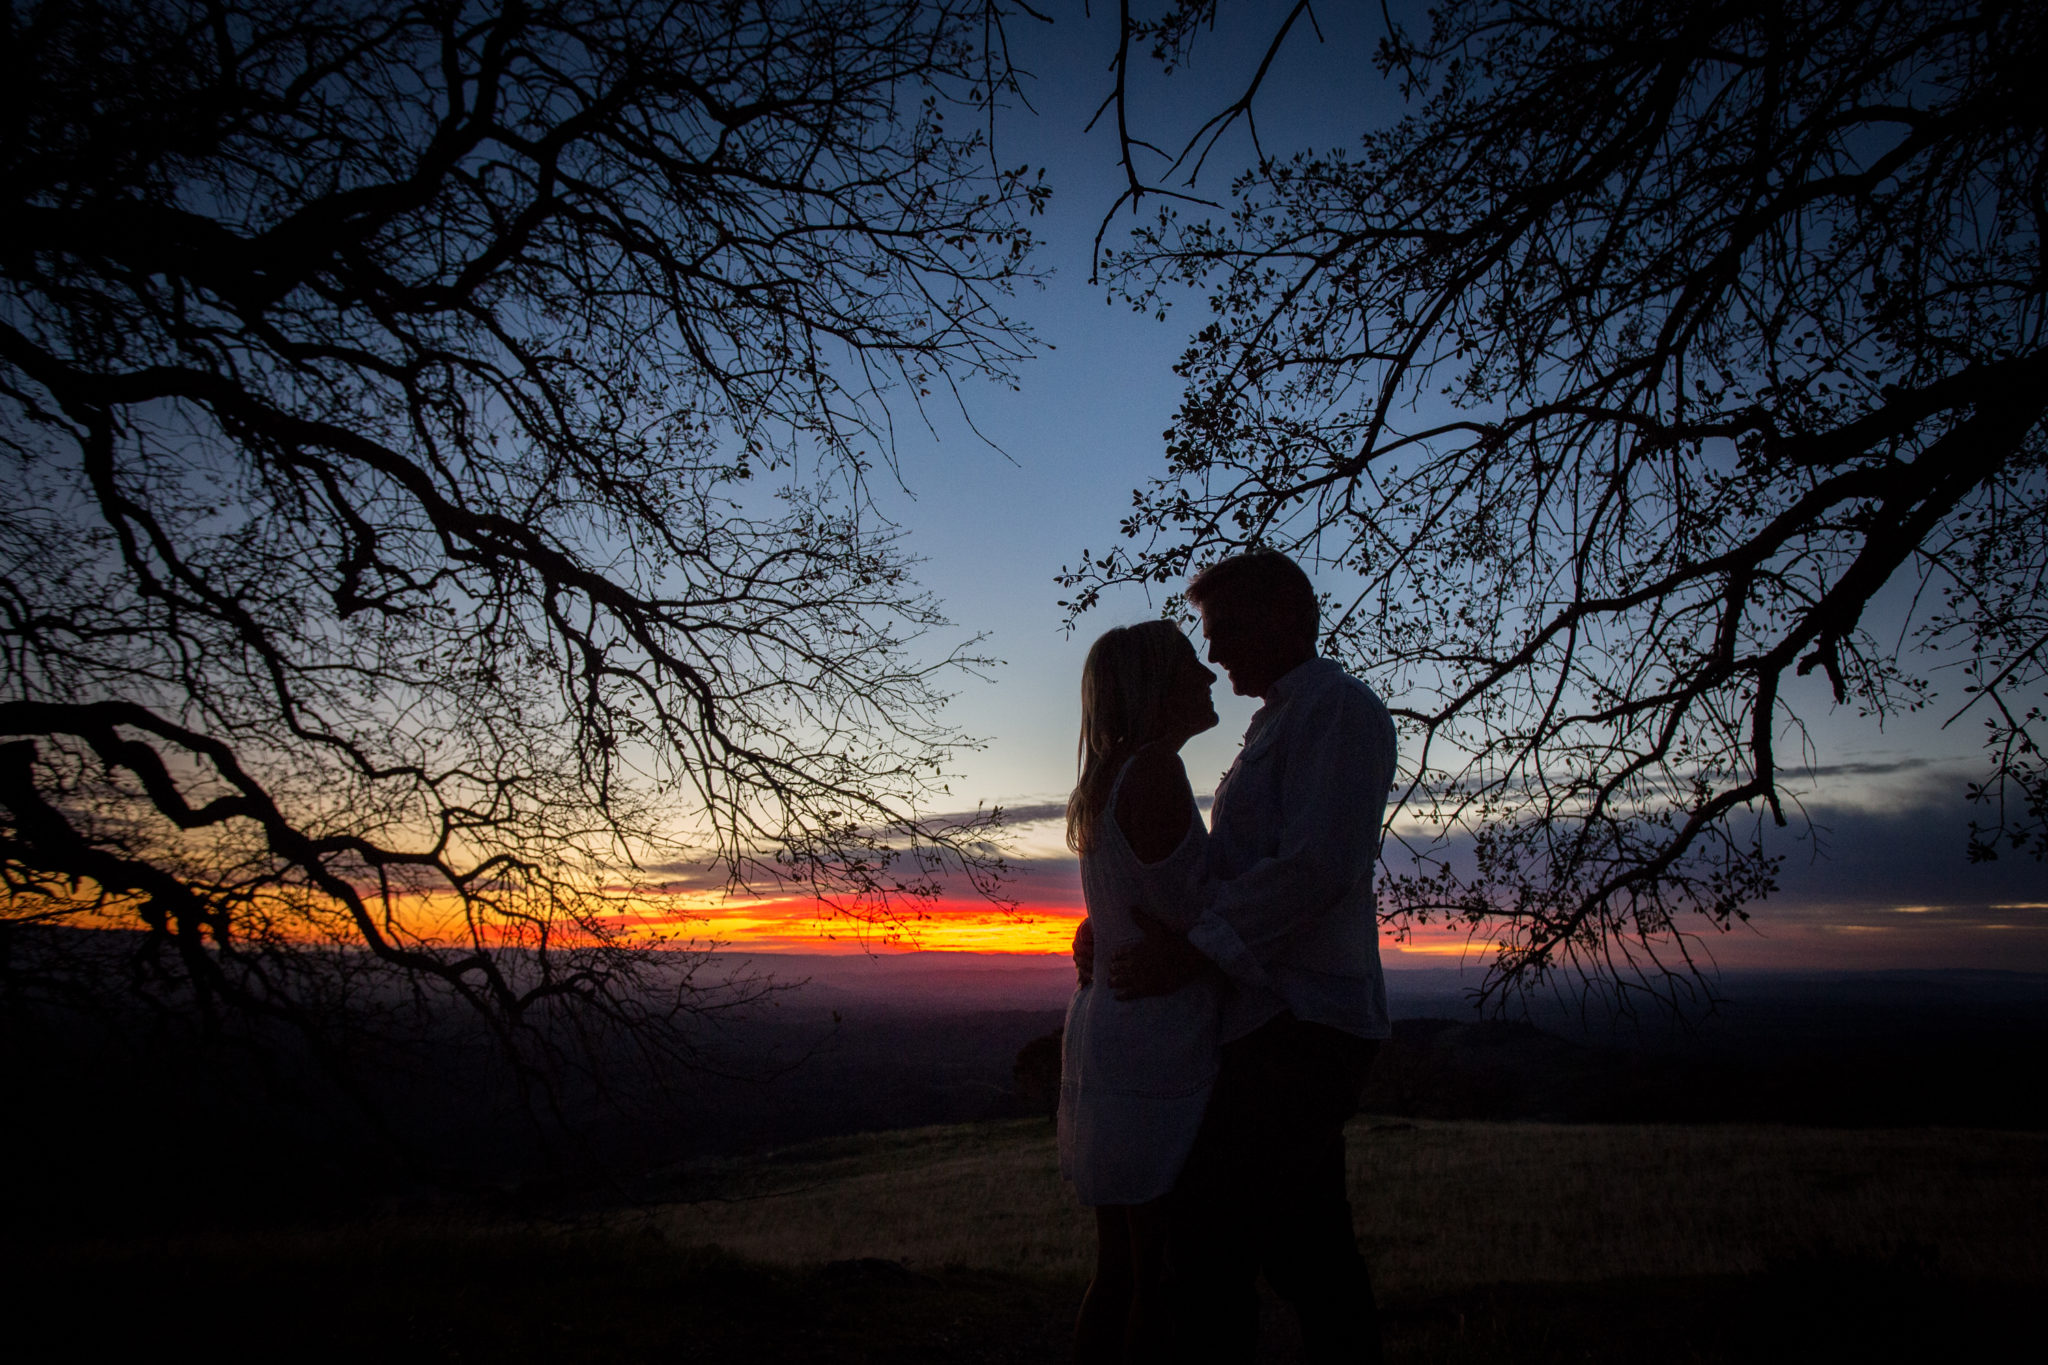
1136 1073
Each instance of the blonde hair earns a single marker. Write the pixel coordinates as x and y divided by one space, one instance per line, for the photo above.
1122 686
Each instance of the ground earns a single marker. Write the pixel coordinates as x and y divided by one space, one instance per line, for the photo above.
1489 1241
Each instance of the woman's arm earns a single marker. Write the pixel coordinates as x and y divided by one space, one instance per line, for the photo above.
1154 810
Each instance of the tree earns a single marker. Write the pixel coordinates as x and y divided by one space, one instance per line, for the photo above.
1660 354
438 443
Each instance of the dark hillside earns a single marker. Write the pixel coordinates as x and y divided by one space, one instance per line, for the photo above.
110 1114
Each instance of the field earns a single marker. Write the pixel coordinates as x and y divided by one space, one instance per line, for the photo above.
1489 1241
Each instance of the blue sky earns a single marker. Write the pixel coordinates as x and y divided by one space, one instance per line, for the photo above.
1881 880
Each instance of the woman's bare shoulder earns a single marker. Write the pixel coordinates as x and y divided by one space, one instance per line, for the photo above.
1155 803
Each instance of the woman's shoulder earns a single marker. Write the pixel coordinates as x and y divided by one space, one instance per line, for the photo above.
1154 802
1153 774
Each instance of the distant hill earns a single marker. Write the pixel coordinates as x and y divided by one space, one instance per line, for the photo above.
1450 1069
870 1045
926 982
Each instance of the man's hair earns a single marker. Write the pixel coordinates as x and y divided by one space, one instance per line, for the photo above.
1260 579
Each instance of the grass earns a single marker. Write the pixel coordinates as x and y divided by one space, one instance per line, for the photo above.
1442 1205
1508 1241
1460 1204
978 1196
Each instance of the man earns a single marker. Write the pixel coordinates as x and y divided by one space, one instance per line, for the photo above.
1291 921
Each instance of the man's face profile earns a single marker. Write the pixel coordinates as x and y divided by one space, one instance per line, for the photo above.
1247 643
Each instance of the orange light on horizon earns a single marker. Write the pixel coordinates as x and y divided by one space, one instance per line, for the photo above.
440 918
1443 948
1824 936
803 925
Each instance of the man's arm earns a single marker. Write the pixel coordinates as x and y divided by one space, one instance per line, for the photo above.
1159 964
1339 762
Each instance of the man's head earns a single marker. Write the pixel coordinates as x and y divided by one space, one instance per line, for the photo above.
1259 615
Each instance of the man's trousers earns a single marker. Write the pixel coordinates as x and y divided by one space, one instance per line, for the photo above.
1264 1190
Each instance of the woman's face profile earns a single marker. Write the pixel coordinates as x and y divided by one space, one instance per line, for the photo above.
1187 709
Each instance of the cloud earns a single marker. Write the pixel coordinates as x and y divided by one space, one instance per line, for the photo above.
1013 816
1913 852
1840 848
1032 813
687 876
1867 885
1886 769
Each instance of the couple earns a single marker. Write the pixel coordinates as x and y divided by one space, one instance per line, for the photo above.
1231 998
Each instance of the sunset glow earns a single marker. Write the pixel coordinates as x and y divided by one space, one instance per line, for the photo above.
1797 937
769 924
951 926
1796 933
1049 905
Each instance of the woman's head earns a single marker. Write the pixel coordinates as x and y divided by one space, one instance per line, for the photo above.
1141 685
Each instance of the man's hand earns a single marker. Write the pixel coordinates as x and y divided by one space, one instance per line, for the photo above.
1160 965
1084 951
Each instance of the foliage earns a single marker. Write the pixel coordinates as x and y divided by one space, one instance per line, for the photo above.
1660 354
438 440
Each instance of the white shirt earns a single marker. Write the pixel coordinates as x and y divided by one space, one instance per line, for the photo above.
1289 912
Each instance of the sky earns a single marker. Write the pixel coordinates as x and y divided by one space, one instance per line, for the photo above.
1879 880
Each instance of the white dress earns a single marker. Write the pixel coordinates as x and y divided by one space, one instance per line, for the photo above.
1135 1075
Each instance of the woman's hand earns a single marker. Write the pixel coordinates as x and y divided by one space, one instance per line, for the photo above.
1084 951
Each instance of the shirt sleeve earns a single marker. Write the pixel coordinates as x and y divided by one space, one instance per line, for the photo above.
1339 762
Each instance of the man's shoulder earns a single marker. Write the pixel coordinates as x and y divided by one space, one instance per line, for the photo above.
1331 684
1335 708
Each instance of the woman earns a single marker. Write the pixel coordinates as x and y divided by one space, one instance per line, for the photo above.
1135 1074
